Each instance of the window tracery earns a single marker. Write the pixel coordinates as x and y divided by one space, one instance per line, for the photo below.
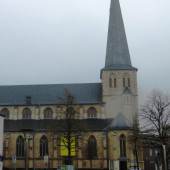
20 147
43 146
48 113
26 114
92 112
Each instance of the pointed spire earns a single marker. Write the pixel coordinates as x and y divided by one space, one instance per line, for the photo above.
117 54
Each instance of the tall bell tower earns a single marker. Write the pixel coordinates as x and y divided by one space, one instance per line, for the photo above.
119 77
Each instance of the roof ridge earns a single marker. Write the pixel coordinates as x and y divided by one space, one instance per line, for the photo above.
48 84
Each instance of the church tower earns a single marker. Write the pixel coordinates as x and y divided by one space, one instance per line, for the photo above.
119 77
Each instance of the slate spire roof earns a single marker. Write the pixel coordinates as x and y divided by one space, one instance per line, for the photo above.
117 53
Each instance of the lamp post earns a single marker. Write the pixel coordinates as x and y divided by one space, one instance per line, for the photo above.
164 156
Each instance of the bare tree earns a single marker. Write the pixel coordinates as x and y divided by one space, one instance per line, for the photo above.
69 134
155 116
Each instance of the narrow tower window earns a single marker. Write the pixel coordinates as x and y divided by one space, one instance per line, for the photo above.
128 82
110 83
115 83
124 82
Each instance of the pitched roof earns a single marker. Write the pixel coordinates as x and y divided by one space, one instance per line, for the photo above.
117 54
120 122
90 93
57 125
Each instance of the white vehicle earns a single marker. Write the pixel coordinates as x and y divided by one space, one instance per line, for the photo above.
1 140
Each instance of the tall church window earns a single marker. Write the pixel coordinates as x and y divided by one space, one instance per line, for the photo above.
5 112
48 113
110 83
43 146
92 148
20 147
26 114
92 113
122 146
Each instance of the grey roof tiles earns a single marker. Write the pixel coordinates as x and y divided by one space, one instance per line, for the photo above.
89 93
58 125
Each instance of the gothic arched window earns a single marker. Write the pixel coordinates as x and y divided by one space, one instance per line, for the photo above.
122 146
92 112
92 148
48 113
43 146
20 147
5 112
26 114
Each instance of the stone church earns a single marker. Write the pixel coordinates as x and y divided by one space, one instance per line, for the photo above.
107 111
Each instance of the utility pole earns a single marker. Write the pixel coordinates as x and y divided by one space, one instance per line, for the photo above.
164 156
1 139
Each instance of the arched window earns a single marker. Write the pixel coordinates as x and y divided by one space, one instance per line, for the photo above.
70 113
92 148
43 146
20 147
5 112
92 112
48 113
26 114
122 146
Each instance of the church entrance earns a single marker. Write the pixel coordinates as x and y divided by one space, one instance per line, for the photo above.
123 165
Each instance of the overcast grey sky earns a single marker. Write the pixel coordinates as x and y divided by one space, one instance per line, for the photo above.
64 41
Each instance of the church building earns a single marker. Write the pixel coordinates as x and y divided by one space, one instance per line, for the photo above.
105 114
